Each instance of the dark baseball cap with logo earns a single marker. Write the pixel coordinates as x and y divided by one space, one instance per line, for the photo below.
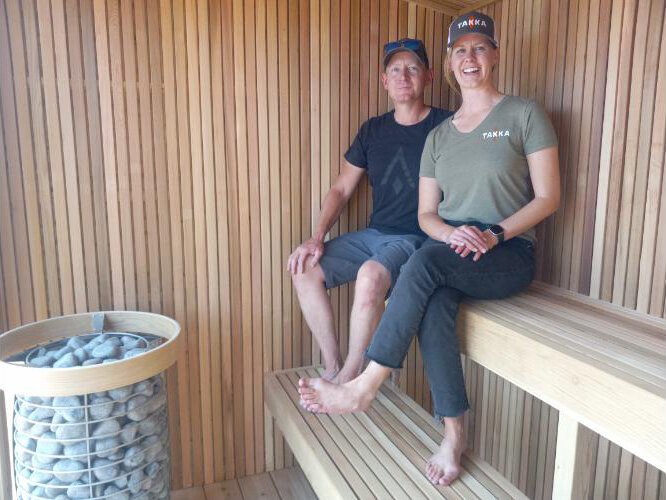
412 45
472 22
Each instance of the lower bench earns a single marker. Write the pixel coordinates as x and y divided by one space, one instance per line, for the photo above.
380 453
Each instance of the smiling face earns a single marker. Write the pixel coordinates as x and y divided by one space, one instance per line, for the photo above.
472 60
405 77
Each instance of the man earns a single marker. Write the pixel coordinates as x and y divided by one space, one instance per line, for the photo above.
388 149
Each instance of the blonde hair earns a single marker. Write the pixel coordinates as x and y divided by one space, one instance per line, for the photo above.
448 72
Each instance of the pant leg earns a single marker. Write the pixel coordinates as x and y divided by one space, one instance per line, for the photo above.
441 353
503 271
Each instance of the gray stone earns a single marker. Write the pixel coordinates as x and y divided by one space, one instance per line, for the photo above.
106 350
118 455
105 470
67 361
21 424
76 449
129 432
63 351
132 343
150 425
42 361
137 408
100 407
41 477
107 428
34 400
62 497
70 408
39 429
153 469
76 343
81 355
41 414
25 441
46 445
68 470
47 401
39 463
23 479
91 361
120 410
135 482
121 393
135 352
107 446
110 360
71 431
114 493
78 490
145 388
38 492
121 482
55 488
134 457
153 448
56 422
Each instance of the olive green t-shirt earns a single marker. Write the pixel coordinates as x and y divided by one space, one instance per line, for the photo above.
484 174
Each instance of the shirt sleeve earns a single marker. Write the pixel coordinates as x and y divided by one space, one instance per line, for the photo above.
428 160
538 129
357 152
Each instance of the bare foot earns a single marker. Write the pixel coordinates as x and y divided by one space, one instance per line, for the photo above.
322 396
444 466
328 374
346 374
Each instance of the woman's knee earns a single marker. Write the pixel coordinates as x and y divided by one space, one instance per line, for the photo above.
372 283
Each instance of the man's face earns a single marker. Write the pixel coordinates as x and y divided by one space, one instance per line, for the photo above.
405 77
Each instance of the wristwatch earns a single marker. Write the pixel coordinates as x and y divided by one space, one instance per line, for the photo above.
498 232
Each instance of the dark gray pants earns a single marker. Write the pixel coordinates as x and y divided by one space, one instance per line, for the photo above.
425 302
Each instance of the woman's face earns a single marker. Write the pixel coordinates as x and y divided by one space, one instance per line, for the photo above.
472 60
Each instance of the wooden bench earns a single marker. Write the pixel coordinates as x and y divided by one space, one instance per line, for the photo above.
602 366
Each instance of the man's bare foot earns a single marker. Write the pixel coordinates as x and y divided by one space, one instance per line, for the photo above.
444 466
346 374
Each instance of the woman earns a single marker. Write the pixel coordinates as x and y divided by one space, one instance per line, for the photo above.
489 174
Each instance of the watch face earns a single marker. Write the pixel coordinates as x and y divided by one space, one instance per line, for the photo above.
496 229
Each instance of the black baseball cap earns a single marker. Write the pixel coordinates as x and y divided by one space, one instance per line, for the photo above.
412 45
472 22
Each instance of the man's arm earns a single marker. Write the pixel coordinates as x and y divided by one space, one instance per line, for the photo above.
334 202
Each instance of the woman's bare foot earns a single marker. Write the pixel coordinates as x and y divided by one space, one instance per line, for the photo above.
322 396
444 466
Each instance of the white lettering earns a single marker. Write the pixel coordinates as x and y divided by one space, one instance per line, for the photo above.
495 134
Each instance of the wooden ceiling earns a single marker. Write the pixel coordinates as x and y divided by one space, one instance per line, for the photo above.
453 7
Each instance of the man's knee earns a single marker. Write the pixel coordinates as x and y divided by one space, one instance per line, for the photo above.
372 283
313 276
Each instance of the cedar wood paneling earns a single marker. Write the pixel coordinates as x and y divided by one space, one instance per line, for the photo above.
166 155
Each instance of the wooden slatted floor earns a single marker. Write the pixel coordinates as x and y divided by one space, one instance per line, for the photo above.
285 484
380 453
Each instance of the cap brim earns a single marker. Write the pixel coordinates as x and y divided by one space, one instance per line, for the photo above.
492 40
388 56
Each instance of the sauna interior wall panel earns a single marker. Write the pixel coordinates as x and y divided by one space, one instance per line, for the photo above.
167 155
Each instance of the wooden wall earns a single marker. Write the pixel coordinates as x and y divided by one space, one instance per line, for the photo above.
167 155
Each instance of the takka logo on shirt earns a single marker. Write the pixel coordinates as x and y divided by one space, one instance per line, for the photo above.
495 135
472 22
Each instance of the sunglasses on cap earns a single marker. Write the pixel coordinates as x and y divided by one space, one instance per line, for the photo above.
412 45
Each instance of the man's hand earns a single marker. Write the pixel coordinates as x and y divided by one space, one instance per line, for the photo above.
311 249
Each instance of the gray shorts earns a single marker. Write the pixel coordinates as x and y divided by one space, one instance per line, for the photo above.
344 255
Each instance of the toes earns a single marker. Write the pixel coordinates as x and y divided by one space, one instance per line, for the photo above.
303 382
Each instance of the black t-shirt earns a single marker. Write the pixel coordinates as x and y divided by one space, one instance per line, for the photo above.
391 153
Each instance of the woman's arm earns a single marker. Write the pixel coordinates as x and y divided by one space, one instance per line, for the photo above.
545 175
432 224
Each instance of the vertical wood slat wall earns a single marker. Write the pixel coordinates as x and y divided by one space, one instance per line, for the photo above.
166 155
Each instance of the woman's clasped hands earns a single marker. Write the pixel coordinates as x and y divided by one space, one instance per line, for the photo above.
470 239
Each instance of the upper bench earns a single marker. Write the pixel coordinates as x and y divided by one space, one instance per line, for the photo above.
599 364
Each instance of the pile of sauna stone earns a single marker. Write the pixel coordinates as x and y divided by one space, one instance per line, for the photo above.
111 444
